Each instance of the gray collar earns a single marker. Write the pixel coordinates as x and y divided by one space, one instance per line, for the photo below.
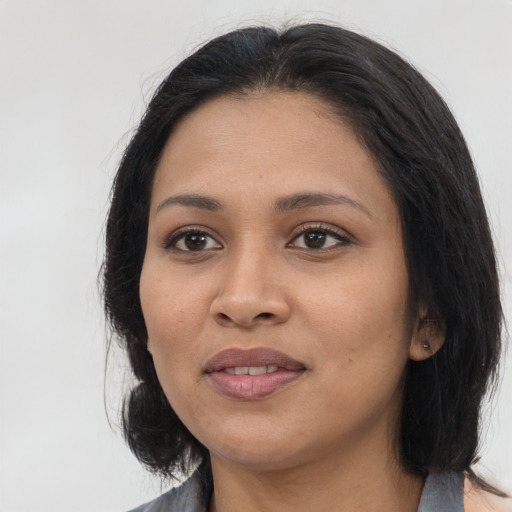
443 492
191 496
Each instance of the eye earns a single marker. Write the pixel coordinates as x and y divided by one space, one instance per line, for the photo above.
318 238
191 240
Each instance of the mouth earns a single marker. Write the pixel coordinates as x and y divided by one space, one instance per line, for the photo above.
252 374
251 370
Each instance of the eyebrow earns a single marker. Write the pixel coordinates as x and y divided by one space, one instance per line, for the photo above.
283 204
193 200
310 199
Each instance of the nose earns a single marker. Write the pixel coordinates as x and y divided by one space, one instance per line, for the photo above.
250 294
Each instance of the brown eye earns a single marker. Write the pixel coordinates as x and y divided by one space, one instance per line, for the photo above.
319 238
192 241
195 241
314 239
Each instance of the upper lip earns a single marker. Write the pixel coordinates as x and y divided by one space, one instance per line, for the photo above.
260 356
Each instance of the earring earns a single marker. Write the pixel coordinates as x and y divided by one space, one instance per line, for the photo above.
426 346
148 348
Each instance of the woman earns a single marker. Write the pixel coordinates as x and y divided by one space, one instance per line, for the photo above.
300 268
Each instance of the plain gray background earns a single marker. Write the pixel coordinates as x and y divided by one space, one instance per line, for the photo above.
74 79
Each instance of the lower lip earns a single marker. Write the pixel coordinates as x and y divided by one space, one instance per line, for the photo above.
252 387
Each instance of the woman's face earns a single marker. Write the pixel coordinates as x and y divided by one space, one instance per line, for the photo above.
274 285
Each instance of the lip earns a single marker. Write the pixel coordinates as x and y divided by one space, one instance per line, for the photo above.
259 356
252 387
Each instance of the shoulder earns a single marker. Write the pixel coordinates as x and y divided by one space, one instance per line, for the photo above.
163 503
450 492
478 500
192 495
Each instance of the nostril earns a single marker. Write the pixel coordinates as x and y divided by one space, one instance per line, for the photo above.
265 315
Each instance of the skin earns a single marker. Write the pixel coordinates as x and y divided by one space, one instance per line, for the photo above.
326 441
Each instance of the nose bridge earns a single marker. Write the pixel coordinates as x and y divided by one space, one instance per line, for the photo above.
249 292
248 265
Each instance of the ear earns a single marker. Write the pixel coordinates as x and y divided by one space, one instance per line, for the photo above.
428 337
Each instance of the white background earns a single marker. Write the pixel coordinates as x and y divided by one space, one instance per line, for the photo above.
74 78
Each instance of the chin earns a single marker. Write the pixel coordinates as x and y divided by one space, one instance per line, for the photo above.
257 460
259 451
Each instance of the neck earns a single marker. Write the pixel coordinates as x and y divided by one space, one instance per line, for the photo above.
355 482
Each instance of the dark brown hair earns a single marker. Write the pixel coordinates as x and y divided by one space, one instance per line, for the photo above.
419 150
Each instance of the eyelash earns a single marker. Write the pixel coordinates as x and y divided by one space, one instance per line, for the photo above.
170 243
342 238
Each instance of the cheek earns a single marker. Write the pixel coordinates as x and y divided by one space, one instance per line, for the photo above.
172 324
363 339
170 307
176 314
361 311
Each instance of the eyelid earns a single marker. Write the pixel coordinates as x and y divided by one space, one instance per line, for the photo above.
169 242
343 237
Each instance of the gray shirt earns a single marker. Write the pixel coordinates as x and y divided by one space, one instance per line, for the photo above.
443 492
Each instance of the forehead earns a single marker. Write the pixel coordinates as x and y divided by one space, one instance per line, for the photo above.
275 142
268 118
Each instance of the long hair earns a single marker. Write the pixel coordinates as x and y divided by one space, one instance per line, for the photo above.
419 150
